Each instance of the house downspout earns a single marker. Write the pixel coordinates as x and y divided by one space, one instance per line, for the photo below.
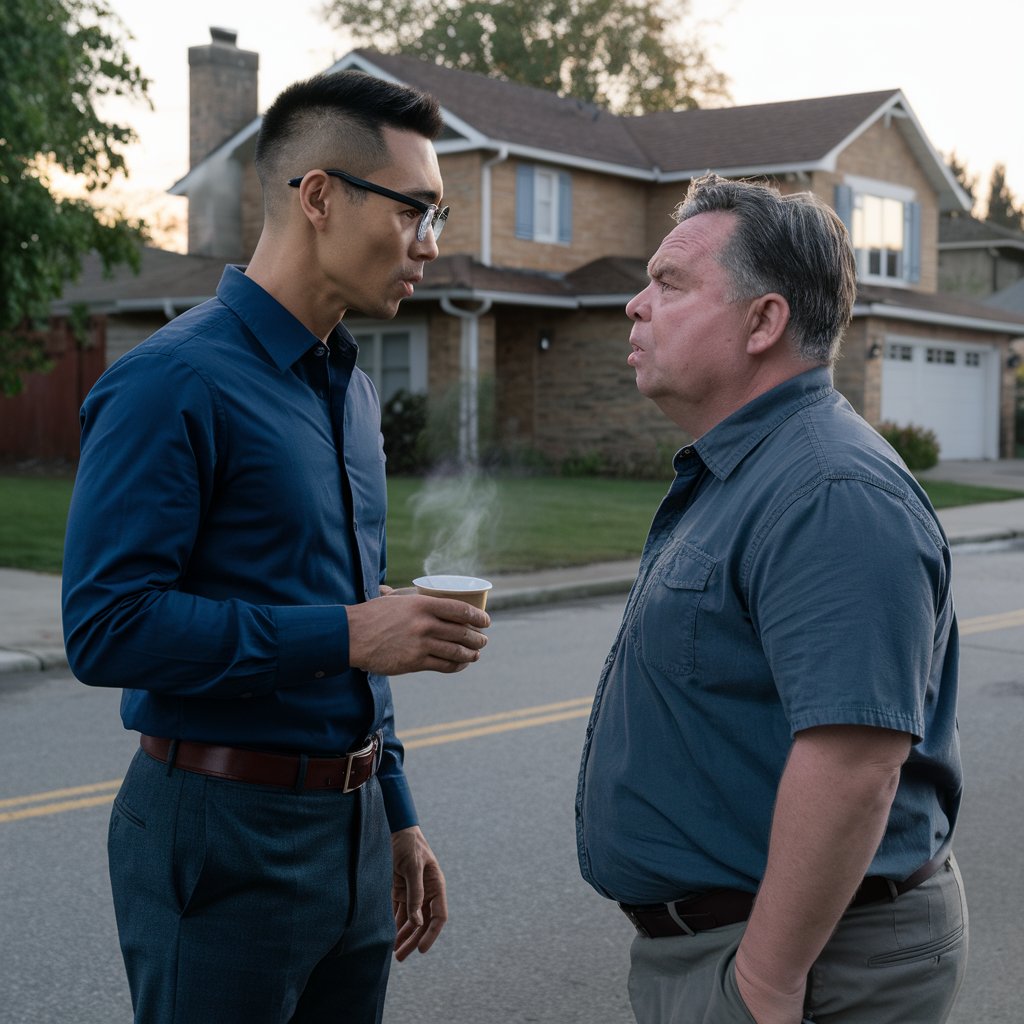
485 203
469 364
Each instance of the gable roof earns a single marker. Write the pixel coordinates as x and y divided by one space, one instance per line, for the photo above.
166 281
760 139
1010 299
962 232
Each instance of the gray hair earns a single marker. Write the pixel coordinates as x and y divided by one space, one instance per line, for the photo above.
793 245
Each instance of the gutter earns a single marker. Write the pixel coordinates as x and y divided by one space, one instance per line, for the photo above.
942 319
469 377
485 203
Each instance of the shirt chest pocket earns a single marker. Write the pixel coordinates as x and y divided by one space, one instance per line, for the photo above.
664 626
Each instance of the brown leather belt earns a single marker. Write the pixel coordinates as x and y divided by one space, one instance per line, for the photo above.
292 771
720 907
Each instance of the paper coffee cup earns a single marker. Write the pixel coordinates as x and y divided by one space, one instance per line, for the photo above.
470 589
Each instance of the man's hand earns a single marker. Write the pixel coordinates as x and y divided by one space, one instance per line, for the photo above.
412 633
765 1004
418 893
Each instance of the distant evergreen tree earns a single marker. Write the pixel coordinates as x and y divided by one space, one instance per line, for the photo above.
1002 204
968 182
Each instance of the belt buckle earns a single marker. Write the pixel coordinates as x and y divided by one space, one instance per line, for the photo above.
373 747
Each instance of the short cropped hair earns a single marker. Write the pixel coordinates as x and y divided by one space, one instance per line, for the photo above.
336 120
793 245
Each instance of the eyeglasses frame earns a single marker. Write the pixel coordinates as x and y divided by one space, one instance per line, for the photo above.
434 216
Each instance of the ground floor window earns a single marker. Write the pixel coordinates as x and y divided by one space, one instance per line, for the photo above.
394 357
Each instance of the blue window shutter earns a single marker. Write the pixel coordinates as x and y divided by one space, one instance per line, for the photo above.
844 205
912 233
524 201
564 207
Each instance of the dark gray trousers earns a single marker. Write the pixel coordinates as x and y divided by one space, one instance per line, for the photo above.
887 963
244 904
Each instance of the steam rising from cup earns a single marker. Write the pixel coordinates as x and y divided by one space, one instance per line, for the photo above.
459 514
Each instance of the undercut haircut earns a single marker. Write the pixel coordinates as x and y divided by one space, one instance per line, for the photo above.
336 120
794 245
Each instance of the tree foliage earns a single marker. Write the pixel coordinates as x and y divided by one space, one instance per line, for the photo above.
58 58
1002 204
627 55
967 181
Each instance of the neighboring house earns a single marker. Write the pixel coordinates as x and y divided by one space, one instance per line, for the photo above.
978 259
556 207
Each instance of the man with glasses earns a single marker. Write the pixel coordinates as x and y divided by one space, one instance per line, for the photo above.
224 566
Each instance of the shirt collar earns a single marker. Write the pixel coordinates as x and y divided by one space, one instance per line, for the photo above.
282 336
727 443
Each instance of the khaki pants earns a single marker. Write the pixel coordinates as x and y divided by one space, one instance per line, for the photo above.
887 963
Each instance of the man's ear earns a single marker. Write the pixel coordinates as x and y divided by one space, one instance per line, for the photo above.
769 318
314 198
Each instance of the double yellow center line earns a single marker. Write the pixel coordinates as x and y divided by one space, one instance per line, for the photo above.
57 800
78 797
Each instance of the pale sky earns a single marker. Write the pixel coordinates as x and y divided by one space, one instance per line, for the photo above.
958 65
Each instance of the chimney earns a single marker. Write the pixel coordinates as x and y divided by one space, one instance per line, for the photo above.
222 92
222 101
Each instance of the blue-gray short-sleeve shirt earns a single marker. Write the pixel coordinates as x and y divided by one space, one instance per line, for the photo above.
795 576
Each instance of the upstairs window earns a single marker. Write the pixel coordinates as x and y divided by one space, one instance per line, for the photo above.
543 204
884 222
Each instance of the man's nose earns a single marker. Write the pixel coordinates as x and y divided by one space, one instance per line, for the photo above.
427 249
635 306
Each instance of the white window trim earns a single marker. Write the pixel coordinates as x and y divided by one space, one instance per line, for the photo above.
370 355
880 190
550 236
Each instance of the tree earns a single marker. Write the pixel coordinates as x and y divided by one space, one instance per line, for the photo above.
622 54
1002 204
57 59
968 182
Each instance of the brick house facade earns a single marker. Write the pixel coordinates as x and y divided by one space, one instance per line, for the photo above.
556 207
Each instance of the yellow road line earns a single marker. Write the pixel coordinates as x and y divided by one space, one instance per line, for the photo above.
66 805
52 802
54 794
989 623
490 730
501 716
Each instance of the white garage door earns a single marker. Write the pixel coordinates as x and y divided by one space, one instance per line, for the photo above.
945 387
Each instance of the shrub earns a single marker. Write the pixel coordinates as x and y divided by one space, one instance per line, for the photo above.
402 421
917 446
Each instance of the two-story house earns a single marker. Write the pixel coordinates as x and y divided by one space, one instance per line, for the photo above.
982 261
556 207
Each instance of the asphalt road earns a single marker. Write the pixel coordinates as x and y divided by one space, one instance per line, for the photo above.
493 754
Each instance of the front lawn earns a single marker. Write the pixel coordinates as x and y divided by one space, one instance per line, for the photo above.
508 524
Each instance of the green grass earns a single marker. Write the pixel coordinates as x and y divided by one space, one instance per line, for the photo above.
944 494
33 511
527 523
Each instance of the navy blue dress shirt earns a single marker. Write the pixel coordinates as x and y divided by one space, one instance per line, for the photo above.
795 576
230 501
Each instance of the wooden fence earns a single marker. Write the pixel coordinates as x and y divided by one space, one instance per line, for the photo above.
42 422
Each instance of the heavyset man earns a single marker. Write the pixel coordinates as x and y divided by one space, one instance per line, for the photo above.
771 776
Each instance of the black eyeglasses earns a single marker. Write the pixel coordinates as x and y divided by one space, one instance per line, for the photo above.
434 217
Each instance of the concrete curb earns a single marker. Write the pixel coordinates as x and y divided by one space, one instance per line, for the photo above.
44 658
26 659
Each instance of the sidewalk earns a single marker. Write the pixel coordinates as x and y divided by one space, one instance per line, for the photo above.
30 629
